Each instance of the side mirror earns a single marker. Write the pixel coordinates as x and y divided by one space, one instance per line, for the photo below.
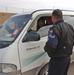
31 36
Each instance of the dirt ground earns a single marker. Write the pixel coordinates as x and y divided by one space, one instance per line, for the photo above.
71 69
5 16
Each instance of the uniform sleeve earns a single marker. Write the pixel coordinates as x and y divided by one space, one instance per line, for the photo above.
52 42
52 38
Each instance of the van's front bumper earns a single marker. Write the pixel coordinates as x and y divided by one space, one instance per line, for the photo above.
13 73
3 74
6 74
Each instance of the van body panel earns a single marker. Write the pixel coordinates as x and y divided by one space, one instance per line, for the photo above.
1 54
11 55
32 54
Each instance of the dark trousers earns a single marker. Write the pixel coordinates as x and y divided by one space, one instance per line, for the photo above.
59 66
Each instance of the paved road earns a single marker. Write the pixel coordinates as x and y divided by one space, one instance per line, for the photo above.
71 69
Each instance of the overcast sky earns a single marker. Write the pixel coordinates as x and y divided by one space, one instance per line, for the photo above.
37 4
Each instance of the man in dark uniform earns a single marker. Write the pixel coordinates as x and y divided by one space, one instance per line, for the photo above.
59 44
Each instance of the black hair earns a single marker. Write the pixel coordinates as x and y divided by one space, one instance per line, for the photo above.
57 13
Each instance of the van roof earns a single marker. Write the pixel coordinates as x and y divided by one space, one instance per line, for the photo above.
43 10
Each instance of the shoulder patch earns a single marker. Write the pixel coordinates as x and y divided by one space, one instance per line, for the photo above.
51 30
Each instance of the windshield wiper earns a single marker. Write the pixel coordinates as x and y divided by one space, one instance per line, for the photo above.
1 26
4 44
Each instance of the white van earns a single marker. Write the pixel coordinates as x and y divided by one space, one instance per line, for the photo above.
22 44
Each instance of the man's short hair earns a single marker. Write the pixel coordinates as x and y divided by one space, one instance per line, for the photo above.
57 13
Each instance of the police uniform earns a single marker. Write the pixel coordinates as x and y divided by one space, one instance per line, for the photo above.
59 47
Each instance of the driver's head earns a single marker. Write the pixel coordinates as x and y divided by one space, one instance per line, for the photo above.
40 23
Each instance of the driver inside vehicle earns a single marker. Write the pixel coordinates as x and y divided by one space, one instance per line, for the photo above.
40 23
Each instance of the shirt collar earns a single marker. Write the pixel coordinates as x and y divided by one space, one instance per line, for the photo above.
59 21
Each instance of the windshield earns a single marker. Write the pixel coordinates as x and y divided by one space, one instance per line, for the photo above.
12 27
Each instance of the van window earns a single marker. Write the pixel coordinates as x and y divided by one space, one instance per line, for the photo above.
43 31
44 21
69 19
42 25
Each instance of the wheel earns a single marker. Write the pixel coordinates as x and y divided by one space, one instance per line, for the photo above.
44 70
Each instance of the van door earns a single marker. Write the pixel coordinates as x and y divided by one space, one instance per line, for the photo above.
32 54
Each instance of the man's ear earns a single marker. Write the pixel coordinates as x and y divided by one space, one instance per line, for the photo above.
54 19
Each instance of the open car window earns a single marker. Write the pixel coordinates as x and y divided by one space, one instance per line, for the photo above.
43 31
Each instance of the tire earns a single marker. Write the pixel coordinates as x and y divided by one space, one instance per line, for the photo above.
44 70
